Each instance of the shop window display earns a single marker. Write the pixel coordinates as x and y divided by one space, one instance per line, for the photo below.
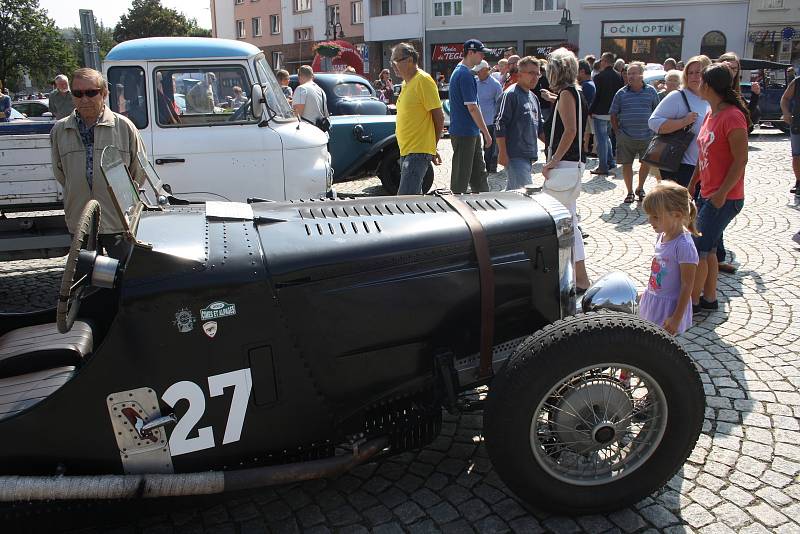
714 44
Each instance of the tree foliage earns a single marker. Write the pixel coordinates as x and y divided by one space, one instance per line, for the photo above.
148 18
30 42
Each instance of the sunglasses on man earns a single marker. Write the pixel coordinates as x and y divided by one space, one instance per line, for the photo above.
91 93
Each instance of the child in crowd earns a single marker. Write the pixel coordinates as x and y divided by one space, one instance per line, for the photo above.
667 299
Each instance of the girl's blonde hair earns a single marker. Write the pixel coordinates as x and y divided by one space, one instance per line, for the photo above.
668 197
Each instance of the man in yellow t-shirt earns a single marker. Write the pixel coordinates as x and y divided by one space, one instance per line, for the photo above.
419 120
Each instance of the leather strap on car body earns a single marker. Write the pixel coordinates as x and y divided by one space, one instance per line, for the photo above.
486 273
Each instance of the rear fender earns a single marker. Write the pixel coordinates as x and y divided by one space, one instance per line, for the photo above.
369 161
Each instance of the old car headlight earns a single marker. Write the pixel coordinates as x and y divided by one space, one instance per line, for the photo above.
565 234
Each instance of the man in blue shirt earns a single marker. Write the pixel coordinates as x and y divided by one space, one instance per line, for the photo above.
467 124
519 125
489 91
630 112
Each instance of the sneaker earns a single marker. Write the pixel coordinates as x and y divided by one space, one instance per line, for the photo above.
696 308
706 305
795 189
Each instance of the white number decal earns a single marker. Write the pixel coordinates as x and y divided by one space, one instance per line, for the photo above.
242 384
179 443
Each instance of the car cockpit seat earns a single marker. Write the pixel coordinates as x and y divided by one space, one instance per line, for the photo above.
37 360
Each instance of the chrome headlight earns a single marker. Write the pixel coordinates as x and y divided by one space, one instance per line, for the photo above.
565 234
613 291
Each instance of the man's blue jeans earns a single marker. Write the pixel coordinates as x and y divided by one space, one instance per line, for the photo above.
413 168
519 173
602 135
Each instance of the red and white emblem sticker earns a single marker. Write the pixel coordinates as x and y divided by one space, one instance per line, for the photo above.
210 328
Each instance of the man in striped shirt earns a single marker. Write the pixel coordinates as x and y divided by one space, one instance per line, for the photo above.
630 111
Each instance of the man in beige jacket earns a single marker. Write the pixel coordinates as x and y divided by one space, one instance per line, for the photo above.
77 144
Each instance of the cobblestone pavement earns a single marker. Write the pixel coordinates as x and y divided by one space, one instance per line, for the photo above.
741 477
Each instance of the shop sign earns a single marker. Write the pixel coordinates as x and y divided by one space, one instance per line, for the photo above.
660 28
448 52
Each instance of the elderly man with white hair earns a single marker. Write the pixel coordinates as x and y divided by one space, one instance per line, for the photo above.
60 100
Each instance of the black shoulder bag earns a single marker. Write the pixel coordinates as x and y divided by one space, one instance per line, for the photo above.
665 151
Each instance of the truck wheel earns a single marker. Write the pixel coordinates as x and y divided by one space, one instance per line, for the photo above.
593 413
389 174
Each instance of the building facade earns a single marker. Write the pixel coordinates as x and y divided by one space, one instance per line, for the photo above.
390 22
773 32
288 30
531 26
653 30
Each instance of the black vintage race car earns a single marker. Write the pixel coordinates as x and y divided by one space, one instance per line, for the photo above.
230 346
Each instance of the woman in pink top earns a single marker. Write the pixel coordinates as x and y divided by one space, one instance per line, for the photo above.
720 171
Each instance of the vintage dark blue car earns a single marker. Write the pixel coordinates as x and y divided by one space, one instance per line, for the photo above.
230 346
774 79
348 94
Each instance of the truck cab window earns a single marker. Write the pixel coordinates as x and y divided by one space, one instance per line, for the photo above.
202 96
127 95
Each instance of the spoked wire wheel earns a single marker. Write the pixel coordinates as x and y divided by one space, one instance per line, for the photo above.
598 424
593 413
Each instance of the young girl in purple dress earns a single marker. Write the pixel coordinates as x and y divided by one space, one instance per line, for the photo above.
668 297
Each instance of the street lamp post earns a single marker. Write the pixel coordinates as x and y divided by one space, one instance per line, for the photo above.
566 20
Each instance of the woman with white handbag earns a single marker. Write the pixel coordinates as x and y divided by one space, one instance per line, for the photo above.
566 161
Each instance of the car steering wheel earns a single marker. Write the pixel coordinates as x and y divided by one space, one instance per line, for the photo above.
69 296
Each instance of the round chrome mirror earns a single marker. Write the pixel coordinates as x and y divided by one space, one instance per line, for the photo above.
257 100
613 291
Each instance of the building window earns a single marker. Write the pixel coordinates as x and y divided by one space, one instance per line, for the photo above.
447 8
384 8
302 5
237 2
256 26
357 13
240 29
303 34
773 4
549 5
496 6
274 24
333 15
277 60
713 44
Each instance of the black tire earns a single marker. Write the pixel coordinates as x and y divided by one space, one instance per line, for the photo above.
389 174
535 378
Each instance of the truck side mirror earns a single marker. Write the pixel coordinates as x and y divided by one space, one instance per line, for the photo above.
257 100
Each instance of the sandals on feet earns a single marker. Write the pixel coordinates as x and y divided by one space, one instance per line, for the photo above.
629 198
640 194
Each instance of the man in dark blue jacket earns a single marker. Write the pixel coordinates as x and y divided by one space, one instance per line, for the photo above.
607 82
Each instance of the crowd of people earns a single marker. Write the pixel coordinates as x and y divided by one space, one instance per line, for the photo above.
498 116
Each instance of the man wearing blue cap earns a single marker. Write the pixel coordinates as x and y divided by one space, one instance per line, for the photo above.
467 124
